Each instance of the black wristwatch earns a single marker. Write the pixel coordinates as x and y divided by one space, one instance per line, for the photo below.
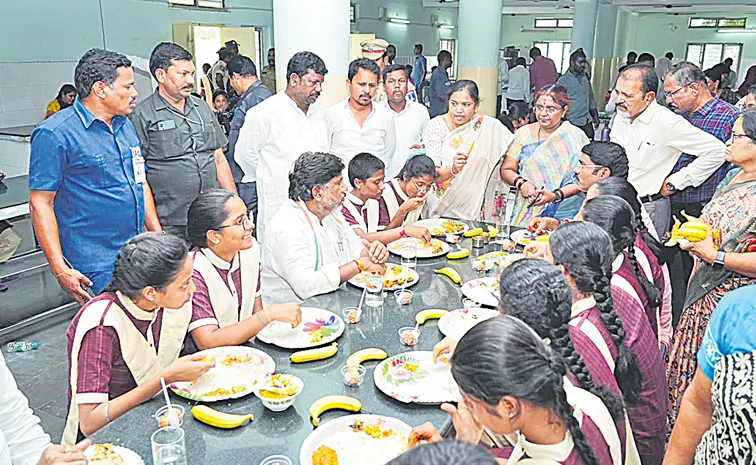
718 262
670 187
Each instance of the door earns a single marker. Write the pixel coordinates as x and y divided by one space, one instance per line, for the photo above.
245 37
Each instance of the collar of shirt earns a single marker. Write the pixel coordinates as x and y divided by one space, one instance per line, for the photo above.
163 104
135 311
311 110
355 200
88 118
705 109
398 189
407 107
349 111
648 114
582 305
219 262
617 263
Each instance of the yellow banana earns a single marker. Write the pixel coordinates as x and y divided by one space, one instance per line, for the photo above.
692 219
544 238
457 254
498 254
430 314
474 232
672 235
333 402
366 354
493 231
218 419
314 354
451 273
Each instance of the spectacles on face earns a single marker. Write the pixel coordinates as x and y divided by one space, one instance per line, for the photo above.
549 110
422 189
674 92
245 222
583 165
735 136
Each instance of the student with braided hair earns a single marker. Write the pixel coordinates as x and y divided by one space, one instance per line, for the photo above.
648 250
515 385
585 252
539 294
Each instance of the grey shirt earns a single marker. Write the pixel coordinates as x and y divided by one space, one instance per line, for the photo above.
580 92
439 87
256 93
178 150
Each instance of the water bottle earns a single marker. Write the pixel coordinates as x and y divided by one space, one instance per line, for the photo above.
605 132
21 346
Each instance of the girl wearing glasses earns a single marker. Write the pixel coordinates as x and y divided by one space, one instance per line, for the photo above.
227 306
542 158
723 264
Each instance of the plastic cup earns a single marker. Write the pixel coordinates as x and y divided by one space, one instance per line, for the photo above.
162 415
277 460
409 253
352 315
477 242
353 375
469 303
452 238
374 291
403 296
168 446
409 336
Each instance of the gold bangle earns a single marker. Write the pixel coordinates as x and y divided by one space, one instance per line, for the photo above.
451 170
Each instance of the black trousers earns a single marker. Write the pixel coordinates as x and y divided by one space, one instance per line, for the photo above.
588 129
681 263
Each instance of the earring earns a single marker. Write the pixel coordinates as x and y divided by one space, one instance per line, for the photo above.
511 415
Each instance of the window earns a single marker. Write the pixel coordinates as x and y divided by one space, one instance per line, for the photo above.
716 22
262 55
218 4
451 46
549 23
558 51
352 13
708 55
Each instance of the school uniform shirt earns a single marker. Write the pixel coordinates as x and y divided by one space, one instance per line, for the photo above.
371 216
410 125
274 134
377 136
302 255
648 417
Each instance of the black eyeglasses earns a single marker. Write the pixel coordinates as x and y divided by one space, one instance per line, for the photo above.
735 135
245 222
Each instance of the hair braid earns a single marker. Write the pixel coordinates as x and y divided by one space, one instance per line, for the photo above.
565 411
626 369
649 288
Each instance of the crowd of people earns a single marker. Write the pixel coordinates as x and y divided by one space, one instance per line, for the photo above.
610 341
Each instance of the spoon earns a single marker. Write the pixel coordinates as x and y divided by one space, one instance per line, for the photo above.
173 418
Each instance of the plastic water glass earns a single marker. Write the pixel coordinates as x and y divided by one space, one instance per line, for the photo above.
409 253
276 460
374 291
168 446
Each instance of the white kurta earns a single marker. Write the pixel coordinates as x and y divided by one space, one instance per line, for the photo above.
377 135
275 133
22 440
301 258
410 125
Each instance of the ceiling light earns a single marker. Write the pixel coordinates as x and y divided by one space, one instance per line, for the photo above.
446 26
400 21
735 30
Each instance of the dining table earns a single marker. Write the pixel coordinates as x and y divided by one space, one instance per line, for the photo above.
282 433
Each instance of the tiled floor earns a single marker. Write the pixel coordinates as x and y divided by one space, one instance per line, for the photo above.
41 375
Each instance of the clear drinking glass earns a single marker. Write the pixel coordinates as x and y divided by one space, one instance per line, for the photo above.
168 446
374 291
409 253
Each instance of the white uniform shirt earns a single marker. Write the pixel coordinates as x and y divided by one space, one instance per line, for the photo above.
654 142
410 125
519 84
22 440
275 133
377 135
301 258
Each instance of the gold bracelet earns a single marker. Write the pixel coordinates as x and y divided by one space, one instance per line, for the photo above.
451 170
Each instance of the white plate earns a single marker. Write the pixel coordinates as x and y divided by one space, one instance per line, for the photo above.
228 376
523 237
435 227
357 447
425 383
480 290
318 327
424 250
129 456
457 322
407 277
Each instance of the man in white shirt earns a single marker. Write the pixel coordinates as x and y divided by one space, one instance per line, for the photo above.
654 137
279 130
358 125
411 117
309 249
22 440
519 83
502 81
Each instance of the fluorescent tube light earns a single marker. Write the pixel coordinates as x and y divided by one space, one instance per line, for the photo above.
400 21
736 31
446 26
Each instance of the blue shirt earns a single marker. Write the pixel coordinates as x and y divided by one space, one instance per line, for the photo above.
439 87
98 204
421 67
256 93
731 330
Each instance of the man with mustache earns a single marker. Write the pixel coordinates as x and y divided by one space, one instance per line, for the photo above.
688 95
359 125
582 111
309 249
88 194
181 139
654 138
281 128
411 117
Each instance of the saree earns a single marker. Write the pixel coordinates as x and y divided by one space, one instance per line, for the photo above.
732 211
549 163
484 140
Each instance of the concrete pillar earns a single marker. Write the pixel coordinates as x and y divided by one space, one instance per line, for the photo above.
584 26
603 62
324 31
479 59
